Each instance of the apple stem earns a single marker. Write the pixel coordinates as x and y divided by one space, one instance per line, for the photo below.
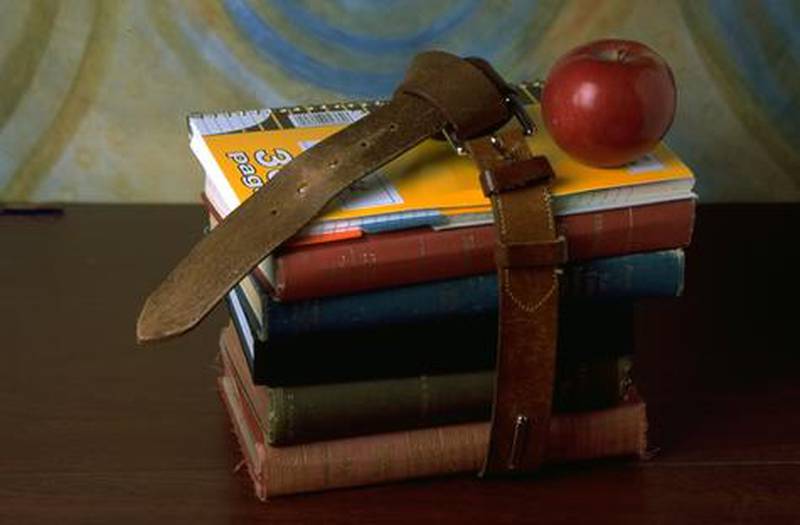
613 55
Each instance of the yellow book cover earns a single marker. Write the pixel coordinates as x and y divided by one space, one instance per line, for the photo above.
241 152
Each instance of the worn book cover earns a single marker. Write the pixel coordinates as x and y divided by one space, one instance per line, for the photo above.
394 456
317 412
410 256
428 346
653 274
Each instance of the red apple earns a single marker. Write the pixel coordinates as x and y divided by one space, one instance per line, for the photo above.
609 102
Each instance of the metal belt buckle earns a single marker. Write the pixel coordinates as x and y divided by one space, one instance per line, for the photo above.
512 100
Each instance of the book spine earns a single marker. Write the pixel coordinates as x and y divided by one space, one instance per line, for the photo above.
411 350
382 458
395 456
319 412
653 274
323 412
412 256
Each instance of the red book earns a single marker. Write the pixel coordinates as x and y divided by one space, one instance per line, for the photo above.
398 258
412 256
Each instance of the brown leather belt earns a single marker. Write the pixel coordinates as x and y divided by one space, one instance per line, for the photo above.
470 101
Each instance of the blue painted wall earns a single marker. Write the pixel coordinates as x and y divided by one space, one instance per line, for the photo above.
95 93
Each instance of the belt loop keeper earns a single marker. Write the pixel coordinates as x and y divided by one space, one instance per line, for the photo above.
516 175
531 254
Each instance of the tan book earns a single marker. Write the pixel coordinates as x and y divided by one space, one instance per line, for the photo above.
395 456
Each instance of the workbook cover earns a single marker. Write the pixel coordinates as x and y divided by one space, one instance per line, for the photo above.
429 186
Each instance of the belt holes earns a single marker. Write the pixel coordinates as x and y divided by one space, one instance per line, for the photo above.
301 188
332 164
363 144
273 212
393 126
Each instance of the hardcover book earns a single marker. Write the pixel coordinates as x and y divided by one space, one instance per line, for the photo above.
393 456
654 274
385 260
442 346
318 412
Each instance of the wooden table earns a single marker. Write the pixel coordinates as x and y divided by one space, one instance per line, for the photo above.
94 428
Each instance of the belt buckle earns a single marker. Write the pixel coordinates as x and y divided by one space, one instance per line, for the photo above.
512 100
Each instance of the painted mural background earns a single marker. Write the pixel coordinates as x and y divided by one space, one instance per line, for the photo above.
94 93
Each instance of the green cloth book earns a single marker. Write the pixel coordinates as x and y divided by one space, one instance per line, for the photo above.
300 414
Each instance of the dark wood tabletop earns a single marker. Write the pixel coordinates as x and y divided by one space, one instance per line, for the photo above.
95 429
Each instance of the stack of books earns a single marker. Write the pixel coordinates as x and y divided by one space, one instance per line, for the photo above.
363 351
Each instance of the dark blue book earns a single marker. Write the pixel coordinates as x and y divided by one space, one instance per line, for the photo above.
444 346
653 274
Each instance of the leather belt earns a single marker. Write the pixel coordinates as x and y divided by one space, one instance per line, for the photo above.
441 92
526 254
